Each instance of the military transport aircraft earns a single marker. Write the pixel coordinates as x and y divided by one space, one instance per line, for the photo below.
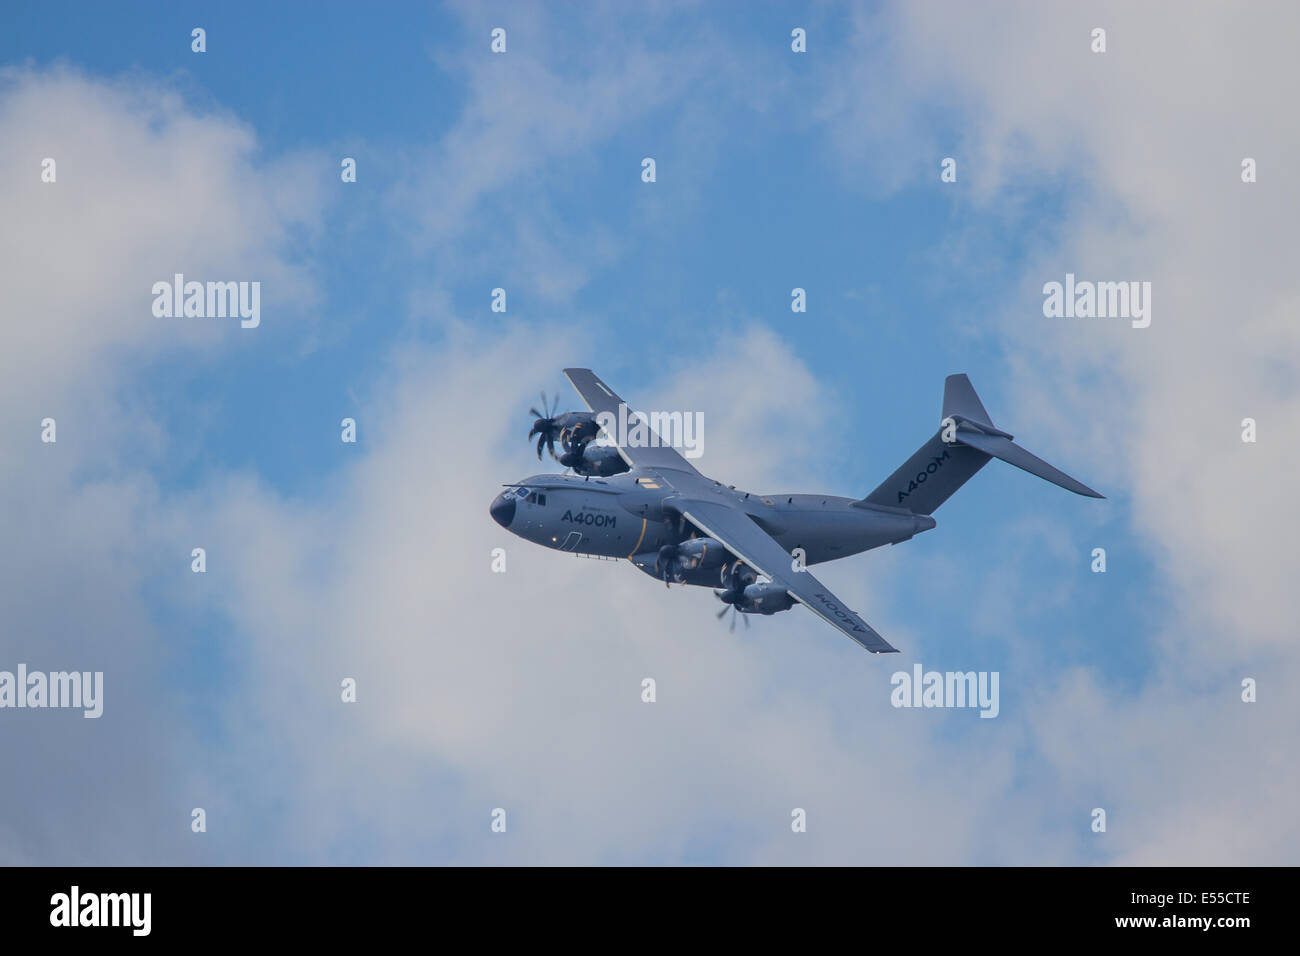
647 503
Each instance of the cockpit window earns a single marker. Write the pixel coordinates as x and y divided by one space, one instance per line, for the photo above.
521 492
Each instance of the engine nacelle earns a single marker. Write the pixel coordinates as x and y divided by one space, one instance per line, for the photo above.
600 461
765 598
702 553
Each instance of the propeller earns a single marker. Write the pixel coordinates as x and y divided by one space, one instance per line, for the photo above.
735 578
572 449
668 565
734 614
580 431
544 427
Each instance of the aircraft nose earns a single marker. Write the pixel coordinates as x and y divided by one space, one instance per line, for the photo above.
503 510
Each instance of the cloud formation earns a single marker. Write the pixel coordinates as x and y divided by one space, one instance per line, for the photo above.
522 690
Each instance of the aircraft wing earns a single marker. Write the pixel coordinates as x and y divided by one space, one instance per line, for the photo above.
743 538
600 398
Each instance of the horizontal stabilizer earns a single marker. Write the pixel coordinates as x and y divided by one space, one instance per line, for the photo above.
1013 454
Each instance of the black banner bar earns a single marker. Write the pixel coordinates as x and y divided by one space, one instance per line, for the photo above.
330 905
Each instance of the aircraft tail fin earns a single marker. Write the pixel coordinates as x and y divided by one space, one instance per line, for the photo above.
959 398
939 467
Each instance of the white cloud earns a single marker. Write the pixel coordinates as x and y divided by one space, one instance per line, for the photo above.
1149 138
145 188
522 690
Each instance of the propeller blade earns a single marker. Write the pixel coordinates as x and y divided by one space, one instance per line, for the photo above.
541 440
536 414
721 612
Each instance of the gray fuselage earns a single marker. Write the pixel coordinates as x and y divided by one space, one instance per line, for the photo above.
632 516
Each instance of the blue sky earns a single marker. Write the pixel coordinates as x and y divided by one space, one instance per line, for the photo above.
888 320
775 170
